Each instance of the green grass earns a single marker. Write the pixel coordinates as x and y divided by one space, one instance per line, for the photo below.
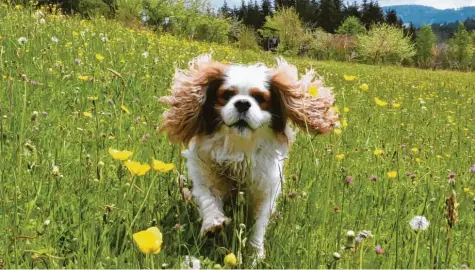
436 116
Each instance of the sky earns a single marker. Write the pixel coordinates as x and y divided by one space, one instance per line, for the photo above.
440 4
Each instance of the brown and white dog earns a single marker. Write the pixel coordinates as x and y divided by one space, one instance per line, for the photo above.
235 121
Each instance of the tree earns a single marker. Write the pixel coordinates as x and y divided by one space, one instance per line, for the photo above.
392 19
385 44
372 14
425 43
225 11
351 26
327 16
287 25
461 48
351 11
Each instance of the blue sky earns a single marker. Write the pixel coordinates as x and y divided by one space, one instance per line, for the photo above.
441 4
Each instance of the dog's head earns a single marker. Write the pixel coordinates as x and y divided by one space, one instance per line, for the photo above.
244 98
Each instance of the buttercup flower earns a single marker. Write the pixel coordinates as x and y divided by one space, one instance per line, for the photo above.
230 259
120 155
149 241
136 168
340 156
392 174
364 87
349 77
99 57
161 166
380 102
378 152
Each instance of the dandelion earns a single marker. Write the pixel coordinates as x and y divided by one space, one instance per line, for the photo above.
22 40
419 223
392 174
136 168
350 240
378 152
148 241
230 260
54 39
349 78
346 109
120 155
160 166
364 87
337 131
415 150
380 102
396 105
344 123
313 90
336 256
99 57
87 114
42 21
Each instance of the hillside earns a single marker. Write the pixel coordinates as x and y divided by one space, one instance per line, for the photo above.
419 15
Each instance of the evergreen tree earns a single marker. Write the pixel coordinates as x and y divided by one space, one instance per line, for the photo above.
351 11
425 43
392 19
225 11
372 14
266 8
327 16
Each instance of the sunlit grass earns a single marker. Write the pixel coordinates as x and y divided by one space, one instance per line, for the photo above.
73 89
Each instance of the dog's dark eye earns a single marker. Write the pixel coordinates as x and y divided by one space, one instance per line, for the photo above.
259 98
227 95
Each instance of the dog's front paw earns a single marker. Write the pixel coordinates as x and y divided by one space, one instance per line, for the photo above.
258 249
213 226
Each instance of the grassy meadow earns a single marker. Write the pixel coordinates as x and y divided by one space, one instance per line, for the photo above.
71 89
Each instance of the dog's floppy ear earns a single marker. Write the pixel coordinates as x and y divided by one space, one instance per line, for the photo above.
191 93
311 113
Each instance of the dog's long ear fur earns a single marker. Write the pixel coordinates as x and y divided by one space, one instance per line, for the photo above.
312 113
186 117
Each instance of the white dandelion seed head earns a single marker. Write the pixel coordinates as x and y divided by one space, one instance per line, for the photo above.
54 39
363 235
42 20
22 40
419 223
350 234
145 54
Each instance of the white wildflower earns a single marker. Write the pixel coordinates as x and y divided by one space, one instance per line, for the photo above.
145 54
22 40
42 20
419 223
54 39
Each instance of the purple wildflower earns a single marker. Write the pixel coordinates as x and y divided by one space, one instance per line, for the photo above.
379 250
472 169
373 178
349 180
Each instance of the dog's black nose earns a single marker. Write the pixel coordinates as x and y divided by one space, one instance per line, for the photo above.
242 105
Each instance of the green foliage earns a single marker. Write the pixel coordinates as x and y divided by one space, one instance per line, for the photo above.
461 48
287 25
247 39
94 8
385 44
351 26
425 43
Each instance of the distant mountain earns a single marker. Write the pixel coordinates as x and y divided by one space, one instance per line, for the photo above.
419 15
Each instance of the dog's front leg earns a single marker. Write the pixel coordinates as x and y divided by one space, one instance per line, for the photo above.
209 201
265 203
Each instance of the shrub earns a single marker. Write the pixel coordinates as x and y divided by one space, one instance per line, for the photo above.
461 48
385 44
247 39
351 26
425 43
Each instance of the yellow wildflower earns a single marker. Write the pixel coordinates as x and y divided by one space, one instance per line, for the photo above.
346 109
87 114
380 102
418 160
337 131
344 123
340 156
349 77
396 105
364 87
137 168
83 78
378 152
415 150
111 137
120 155
99 57
392 174
149 241
313 90
438 156
230 260
162 166
93 98
125 109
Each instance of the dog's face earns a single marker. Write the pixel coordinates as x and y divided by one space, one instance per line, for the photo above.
244 98
245 101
